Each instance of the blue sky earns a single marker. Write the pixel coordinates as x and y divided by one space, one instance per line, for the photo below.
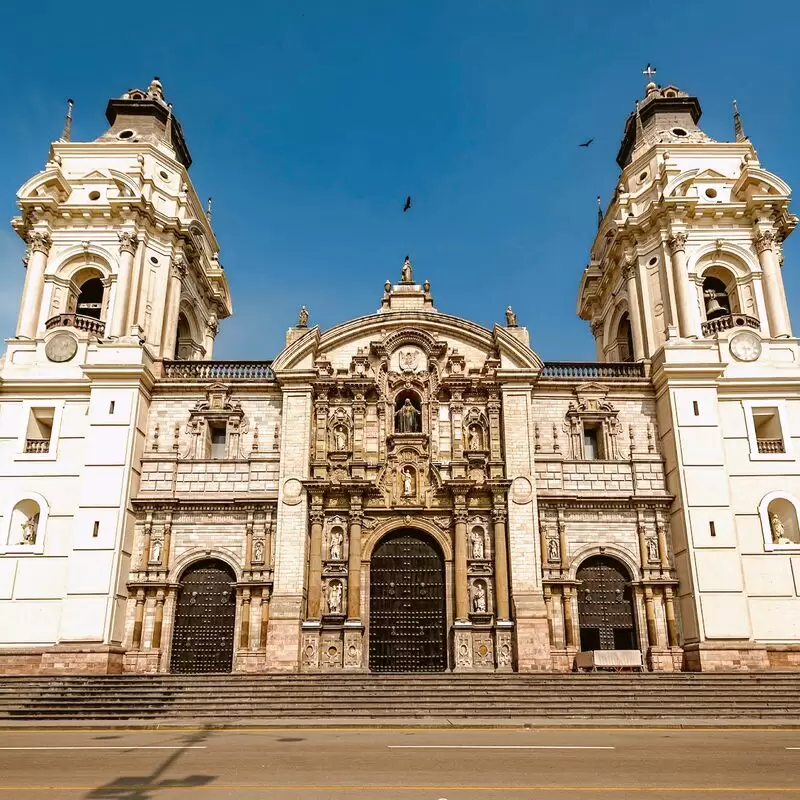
310 121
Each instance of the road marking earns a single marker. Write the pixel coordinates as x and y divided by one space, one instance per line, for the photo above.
497 747
116 747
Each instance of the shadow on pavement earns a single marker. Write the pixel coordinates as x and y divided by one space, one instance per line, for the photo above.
147 787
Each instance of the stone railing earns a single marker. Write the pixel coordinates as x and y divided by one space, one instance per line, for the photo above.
576 370
37 446
77 321
770 446
218 371
729 322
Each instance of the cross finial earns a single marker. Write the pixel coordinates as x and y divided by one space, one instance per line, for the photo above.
66 134
649 71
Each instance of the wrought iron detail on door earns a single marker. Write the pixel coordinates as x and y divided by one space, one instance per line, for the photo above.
205 616
605 605
407 628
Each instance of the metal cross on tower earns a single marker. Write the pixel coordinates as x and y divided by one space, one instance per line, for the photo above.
649 71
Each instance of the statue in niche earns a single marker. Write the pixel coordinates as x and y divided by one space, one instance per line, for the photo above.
336 544
778 531
258 551
339 438
406 275
408 482
29 529
652 550
408 418
552 550
155 552
479 598
475 438
511 318
335 598
302 317
477 543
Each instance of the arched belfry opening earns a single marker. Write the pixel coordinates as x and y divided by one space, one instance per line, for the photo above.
90 298
407 609
605 605
205 617
624 339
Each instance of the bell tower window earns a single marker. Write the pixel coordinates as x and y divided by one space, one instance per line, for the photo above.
716 297
90 299
624 339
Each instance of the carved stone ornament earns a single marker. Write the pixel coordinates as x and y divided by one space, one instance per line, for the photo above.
39 242
310 651
677 242
128 242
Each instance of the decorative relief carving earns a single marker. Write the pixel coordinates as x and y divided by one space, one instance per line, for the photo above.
310 650
765 240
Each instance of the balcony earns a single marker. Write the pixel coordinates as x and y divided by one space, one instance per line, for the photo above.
575 370
37 446
218 371
770 446
730 321
96 327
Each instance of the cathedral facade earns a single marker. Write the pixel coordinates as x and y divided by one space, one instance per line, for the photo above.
407 491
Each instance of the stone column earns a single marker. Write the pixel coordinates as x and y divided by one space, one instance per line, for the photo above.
167 542
127 249
650 614
148 532
686 311
460 557
597 331
569 627
244 637
500 563
672 625
158 621
169 333
212 329
39 243
317 517
663 552
634 309
248 542
354 563
548 604
262 639
138 619
765 247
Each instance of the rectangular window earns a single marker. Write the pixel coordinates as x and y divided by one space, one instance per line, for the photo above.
40 430
592 443
768 433
218 438
767 426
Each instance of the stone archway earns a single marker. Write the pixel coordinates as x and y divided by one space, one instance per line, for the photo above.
407 606
605 605
205 619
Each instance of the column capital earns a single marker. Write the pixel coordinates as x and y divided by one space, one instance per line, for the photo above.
178 268
316 516
461 515
356 516
764 240
596 327
499 514
677 242
40 242
628 271
128 242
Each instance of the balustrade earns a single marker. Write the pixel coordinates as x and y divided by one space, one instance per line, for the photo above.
729 322
91 325
571 370
218 370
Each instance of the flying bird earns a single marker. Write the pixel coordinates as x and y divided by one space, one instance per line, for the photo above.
407 205
586 143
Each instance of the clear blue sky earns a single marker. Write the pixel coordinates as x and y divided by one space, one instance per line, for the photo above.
310 121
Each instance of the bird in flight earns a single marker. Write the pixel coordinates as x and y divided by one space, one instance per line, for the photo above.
586 143
407 205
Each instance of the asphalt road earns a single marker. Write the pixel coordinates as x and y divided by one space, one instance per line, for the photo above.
402 764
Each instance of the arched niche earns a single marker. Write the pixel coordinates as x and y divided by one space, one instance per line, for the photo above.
408 412
720 292
779 521
26 525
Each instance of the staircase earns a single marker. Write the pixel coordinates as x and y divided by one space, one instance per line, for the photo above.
247 699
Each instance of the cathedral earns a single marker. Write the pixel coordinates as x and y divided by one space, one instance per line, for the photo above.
408 491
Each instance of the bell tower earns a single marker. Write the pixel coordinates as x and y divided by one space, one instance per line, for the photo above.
685 275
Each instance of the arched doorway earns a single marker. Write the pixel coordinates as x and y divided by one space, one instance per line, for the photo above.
605 605
205 616
407 623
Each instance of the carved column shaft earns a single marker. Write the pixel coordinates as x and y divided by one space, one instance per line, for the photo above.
248 543
778 323
650 614
548 605
262 638
562 542
158 622
122 300
169 334
244 637
500 564
493 409
148 532
359 413
634 310
354 567
672 625
663 552
167 542
315 565
460 555
686 311
138 619
566 606
33 290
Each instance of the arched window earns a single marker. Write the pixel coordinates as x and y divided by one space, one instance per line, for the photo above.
25 529
720 297
90 299
779 521
624 339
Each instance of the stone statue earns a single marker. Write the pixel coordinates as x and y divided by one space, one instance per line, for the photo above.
340 438
511 318
29 530
335 598
778 531
652 550
258 552
408 418
336 544
477 543
479 598
155 552
302 317
408 482
475 438
406 276
552 550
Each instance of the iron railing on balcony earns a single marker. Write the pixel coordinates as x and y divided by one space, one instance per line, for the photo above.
770 446
729 322
572 370
77 321
37 446
218 371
